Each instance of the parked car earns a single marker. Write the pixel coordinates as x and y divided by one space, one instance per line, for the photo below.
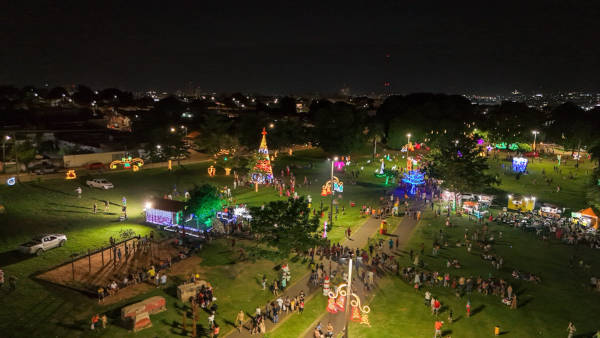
96 166
44 168
100 183
43 243
467 197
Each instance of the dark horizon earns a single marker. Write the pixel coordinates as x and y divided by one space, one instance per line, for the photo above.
302 48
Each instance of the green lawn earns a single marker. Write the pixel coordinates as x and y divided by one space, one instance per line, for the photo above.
36 309
572 190
544 309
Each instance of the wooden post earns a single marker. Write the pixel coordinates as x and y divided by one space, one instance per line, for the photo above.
89 262
195 319
102 257
73 266
183 323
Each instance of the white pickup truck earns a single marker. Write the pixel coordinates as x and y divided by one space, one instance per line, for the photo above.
43 243
100 183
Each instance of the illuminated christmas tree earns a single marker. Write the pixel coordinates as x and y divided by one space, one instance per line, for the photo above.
262 172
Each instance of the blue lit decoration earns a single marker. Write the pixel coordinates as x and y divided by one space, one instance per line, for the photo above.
519 164
11 181
414 178
459 154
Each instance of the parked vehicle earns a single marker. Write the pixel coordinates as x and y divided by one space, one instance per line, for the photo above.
44 168
43 243
96 166
100 183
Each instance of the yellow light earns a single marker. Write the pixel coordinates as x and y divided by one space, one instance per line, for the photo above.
148 205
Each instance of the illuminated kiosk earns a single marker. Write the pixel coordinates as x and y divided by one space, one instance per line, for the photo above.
521 203
585 217
262 172
164 212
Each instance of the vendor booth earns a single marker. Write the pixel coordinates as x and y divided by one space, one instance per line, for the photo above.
586 218
477 209
550 210
521 203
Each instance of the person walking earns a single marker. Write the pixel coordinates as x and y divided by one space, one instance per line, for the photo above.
95 319
468 309
78 191
106 205
264 282
239 320
438 329
12 283
513 303
104 320
95 207
571 330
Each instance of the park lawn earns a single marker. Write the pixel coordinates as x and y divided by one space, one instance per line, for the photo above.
544 309
572 193
52 206
295 325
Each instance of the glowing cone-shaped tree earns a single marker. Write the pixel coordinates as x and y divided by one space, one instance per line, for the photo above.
262 172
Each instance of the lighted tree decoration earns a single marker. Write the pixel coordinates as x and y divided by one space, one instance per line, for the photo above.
203 204
414 178
387 173
262 172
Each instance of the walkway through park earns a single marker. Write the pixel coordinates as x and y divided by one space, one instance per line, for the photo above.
359 239
402 233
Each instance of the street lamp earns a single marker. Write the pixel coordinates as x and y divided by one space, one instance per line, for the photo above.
408 135
6 138
332 195
172 129
535 133
184 128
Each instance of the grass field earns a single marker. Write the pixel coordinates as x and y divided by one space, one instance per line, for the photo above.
37 309
544 309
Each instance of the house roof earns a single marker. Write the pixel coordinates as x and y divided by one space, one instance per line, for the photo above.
167 205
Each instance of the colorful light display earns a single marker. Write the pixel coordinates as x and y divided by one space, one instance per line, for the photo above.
414 178
71 175
128 163
211 171
337 303
339 165
519 164
338 186
263 172
11 181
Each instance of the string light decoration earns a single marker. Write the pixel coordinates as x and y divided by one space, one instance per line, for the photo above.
519 164
263 172
129 162
212 171
337 302
71 175
338 186
414 178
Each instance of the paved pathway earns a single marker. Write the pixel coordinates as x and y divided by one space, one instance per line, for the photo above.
358 239
402 233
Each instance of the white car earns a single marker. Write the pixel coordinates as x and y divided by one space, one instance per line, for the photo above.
43 243
467 197
100 183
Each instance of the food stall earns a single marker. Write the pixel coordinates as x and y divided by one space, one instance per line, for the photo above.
521 203
586 218
550 210
477 209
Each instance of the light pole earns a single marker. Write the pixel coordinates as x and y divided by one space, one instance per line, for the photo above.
408 135
535 132
332 194
347 310
6 138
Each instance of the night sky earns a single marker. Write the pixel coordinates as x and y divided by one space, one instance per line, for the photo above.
485 47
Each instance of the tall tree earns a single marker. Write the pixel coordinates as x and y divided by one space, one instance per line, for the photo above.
460 167
511 122
204 202
339 128
286 225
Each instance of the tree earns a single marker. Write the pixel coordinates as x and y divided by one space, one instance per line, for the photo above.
571 126
25 151
396 136
511 122
204 202
339 128
216 134
83 96
165 145
460 167
286 225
